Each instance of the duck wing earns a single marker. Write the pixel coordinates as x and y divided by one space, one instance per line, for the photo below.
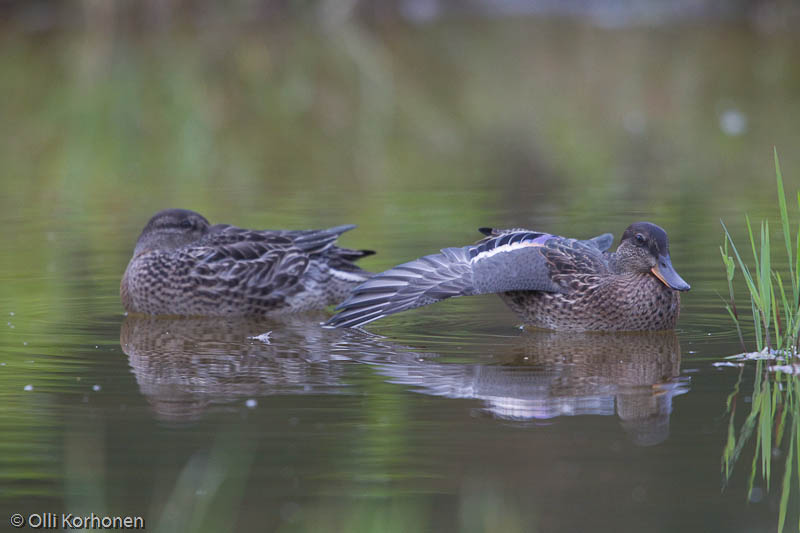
310 241
265 264
506 261
258 262
601 242
322 242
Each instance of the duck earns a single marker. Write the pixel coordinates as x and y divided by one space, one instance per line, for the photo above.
183 265
549 281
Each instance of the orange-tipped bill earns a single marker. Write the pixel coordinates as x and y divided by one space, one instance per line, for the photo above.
664 271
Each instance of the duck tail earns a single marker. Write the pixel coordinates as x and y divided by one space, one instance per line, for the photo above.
343 260
353 255
318 240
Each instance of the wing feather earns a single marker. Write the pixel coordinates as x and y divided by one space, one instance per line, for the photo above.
505 260
258 262
497 264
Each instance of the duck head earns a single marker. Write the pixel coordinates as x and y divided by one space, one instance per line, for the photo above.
170 229
645 248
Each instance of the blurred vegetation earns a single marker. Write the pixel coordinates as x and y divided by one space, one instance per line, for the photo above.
274 117
312 116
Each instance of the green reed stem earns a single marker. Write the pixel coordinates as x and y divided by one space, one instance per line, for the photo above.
774 415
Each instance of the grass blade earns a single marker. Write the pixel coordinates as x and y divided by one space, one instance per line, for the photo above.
775 405
785 221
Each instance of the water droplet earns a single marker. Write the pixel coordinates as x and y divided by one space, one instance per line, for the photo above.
756 495
25 343
733 122
251 403
28 387
11 313
96 388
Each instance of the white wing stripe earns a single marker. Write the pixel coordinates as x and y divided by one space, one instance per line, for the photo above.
505 249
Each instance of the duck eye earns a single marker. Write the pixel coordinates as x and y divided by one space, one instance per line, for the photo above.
186 223
639 238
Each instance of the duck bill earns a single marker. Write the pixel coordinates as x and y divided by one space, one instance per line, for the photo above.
664 271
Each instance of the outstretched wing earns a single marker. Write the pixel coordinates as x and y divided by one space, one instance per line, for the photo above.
601 242
511 261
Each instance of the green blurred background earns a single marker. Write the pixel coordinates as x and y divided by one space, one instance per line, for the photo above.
424 118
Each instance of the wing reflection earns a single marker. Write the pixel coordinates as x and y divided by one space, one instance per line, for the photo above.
186 365
545 374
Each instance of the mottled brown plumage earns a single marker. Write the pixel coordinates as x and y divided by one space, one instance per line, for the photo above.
629 302
609 292
182 265
552 282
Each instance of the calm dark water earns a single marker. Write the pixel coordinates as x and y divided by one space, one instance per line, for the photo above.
444 418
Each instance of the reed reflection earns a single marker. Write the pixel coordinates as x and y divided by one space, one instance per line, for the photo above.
543 374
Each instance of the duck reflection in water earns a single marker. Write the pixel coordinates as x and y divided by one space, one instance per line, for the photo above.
187 366
545 374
